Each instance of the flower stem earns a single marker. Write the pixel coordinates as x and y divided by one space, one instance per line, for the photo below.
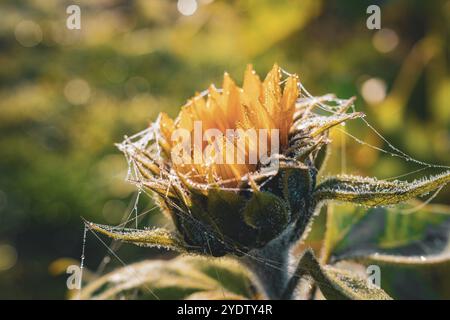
270 266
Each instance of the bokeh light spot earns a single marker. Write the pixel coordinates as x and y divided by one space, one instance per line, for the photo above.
28 33
373 90
187 7
8 257
77 91
385 40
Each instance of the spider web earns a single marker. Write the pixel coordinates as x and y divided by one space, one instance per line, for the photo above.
148 140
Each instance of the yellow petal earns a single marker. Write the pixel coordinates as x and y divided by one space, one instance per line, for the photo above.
252 85
272 91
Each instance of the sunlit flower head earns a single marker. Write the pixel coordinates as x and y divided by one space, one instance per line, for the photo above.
267 116
207 179
257 108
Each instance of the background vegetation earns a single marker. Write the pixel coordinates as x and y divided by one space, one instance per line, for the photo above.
66 96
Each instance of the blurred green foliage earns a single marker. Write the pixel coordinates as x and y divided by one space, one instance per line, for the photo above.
67 95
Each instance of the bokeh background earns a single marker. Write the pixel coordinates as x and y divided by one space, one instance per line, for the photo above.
66 96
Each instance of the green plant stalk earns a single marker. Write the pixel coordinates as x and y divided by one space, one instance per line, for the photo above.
269 266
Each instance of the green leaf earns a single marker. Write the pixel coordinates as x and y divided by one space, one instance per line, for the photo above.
372 192
339 219
415 277
410 243
156 237
397 231
349 286
335 284
185 277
